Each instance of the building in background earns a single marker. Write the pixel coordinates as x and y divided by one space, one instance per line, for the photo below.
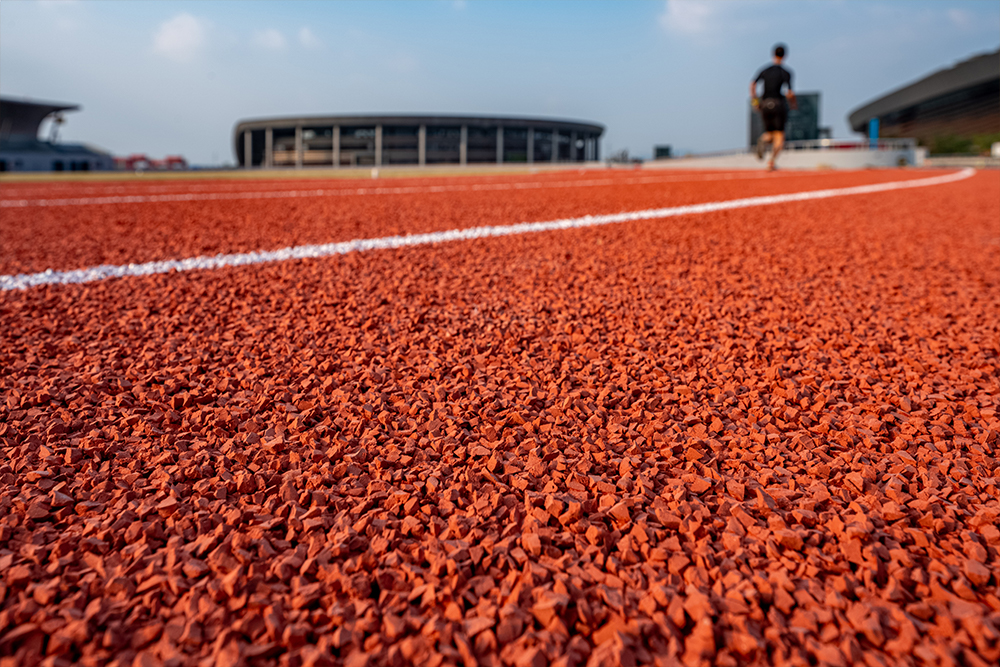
142 162
374 141
22 150
662 152
803 122
953 110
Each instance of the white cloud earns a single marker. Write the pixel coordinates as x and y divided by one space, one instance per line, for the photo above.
961 18
692 17
270 39
308 38
181 38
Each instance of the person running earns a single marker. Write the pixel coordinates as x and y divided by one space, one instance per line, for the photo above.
772 106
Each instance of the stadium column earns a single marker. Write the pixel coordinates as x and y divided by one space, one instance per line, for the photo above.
555 145
463 147
378 145
531 145
247 149
422 145
499 144
572 146
268 148
298 146
336 146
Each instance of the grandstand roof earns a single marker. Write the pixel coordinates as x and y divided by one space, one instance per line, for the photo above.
21 118
422 119
971 72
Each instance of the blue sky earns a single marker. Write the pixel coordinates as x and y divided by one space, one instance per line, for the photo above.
174 77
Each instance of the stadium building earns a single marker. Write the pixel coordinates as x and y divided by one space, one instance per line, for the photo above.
952 106
374 141
22 150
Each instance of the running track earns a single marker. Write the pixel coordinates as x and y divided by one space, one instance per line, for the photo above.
735 434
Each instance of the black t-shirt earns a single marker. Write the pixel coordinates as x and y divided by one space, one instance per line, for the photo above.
774 77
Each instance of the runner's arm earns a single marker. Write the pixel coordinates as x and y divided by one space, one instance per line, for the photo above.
790 95
753 85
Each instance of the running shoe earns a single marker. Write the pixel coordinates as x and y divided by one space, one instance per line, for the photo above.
761 148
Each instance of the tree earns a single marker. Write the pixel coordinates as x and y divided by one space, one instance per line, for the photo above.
619 156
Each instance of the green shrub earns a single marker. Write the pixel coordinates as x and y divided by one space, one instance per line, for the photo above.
984 142
949 144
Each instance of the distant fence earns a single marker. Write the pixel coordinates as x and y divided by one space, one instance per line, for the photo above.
962 161
828 145
813 154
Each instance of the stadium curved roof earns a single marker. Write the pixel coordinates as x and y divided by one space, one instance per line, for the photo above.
21 118
421 119
976 70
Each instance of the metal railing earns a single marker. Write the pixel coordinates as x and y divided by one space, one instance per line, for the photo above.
852 145
827 145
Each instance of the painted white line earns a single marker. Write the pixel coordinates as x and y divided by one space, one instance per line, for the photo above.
345 192
50 277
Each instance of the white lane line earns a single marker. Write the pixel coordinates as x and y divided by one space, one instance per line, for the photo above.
410 189
50 277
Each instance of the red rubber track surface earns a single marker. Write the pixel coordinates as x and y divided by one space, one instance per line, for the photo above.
758 436
73 237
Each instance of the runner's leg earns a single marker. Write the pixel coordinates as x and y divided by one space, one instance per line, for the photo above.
779 141
762 142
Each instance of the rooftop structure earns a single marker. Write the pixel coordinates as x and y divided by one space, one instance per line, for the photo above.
959 101
374 140
21 119
22 150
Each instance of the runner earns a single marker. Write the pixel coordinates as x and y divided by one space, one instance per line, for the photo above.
772 106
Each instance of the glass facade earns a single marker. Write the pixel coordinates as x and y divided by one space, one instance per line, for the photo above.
444 145
256 148
803 123
515 144
317 146
543 146
357 146
283 145
482 144
564 147
400 144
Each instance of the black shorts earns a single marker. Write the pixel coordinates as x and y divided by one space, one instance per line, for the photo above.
774 113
